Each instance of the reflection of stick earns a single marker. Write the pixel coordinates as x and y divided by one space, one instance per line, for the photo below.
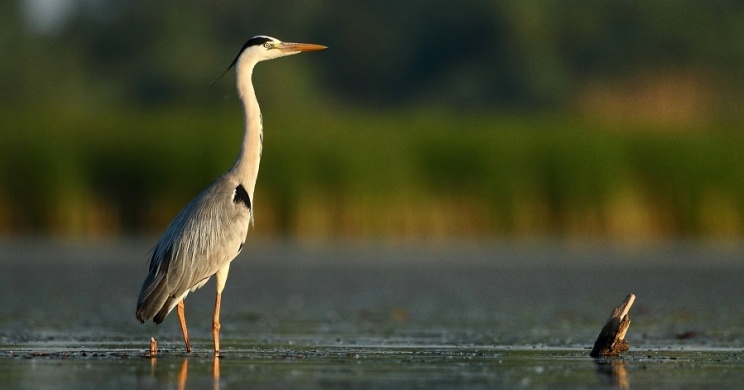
615 371
611 339
153 347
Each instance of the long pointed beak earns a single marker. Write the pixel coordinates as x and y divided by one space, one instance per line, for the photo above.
298 47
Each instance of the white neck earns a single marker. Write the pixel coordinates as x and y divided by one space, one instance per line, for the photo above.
246 165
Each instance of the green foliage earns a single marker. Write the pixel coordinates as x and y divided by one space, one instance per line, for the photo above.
480 53
143 167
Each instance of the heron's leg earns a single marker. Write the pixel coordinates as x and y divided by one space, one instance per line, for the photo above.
182 320
221 278
216 324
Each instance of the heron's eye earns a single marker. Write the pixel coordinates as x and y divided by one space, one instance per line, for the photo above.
267 45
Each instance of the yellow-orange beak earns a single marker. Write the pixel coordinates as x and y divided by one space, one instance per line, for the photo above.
291 47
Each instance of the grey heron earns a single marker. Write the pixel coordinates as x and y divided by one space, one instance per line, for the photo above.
204 238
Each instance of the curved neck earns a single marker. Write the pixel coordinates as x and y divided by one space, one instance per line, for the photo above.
246 165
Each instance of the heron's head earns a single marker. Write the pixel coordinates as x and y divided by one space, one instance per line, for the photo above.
263 47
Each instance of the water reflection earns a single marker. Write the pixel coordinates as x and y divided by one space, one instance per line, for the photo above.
216 372
615 370
183 372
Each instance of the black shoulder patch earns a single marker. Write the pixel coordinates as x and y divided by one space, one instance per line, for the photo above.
241 196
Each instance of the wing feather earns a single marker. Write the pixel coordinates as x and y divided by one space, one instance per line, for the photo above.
203 238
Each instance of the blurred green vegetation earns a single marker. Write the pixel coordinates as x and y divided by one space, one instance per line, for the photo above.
514 54
401 174
435 119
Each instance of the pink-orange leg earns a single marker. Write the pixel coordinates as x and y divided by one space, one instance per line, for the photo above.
216 324
182 320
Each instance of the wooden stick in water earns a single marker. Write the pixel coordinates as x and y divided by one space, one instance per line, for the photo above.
611 339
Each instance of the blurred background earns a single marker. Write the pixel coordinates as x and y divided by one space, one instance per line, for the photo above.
618 120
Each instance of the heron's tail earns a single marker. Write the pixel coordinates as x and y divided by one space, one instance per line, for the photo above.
153 300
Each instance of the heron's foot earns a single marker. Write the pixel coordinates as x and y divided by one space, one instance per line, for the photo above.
153 347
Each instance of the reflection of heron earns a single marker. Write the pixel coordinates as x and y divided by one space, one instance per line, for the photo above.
210 231
183 372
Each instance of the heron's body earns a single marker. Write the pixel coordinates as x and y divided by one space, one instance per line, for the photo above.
211 230
203 239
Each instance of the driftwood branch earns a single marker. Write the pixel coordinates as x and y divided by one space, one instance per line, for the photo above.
611 339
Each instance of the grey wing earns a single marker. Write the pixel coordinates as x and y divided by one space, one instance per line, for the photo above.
205 236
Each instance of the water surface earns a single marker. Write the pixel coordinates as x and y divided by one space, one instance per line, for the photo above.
490 315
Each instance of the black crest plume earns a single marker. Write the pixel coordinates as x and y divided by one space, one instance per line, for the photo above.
255 41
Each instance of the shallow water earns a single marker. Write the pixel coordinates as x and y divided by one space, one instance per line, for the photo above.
362 315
